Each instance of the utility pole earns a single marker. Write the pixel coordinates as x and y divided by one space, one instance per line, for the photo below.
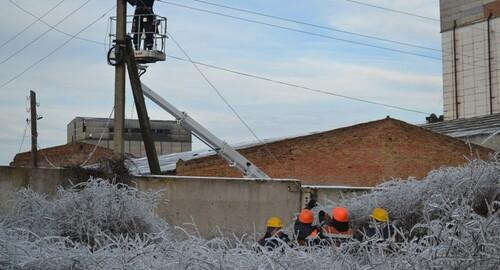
120 70
142 112
34 133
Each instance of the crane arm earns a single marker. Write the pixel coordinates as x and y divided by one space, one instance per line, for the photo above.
232 156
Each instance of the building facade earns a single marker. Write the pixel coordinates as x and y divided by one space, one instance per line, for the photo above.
169 136
363 155
471 50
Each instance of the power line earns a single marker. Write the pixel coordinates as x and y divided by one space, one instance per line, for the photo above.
55 50
316 90
404 13
31 24
272 80
318 34
317 25
394 10
222 97
44 33
252 76
303 31
103 43
242 74
51 26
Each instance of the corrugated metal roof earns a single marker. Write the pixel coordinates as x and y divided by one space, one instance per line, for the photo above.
460 128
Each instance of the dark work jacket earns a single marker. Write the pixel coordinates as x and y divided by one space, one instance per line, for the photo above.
142 6
387 232
306 233
271 242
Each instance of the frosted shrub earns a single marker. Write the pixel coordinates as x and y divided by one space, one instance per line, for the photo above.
448 220
476 185
90 212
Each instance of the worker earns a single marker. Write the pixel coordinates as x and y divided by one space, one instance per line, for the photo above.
306 233
274 236
335 229
144 21
380 225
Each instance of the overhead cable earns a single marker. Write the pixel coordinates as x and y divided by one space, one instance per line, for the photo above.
320 91
216 90
321 35
55 50
29 25
394 10
44 33
51 26
304 32
329 28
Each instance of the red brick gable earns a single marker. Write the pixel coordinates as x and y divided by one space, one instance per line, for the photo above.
360 155
67 155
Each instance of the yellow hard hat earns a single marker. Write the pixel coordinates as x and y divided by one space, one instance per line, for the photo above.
274 222
380 214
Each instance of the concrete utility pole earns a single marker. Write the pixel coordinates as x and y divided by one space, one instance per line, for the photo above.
34 133
120 69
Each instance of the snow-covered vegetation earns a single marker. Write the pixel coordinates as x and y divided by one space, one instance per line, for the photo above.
449 220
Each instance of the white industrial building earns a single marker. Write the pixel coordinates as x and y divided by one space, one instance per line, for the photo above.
471 49
471 69
168 136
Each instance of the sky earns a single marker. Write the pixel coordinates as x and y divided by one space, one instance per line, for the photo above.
75 80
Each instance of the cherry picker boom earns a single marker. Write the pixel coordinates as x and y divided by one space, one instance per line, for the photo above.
149 47
232 156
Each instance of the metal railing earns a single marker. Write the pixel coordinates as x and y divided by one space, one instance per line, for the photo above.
148 32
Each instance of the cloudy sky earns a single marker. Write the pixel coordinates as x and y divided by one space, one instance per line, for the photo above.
76 81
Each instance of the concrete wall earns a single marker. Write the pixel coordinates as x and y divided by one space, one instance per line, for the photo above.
44 181
492 142
233 204
326 194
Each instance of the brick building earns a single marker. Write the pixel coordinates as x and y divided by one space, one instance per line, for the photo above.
67 155
360 155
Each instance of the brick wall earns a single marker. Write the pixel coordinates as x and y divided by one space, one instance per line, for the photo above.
63 156
361 155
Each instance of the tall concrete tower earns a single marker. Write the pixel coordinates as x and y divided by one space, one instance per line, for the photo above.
471 57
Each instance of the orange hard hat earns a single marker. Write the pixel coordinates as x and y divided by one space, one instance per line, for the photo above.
340 214
306 216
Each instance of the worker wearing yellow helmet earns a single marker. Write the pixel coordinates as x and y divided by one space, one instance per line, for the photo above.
380 226
274 236
380 215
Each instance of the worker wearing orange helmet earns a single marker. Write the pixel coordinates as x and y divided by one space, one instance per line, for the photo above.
274 236
335 228
307 234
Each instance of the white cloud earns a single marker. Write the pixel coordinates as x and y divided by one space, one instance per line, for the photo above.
77 82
